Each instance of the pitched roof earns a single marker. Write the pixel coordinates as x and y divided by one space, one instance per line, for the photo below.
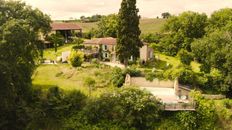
65 26
104 41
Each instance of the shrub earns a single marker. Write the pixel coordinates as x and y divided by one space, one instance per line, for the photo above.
132 72
56 39
187 77
126 108
206 115
150 76
227 103
76 58
118 77
185 57
151 38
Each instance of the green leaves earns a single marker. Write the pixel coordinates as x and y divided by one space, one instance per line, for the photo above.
76 58
108 25
126 108
128 42
182 30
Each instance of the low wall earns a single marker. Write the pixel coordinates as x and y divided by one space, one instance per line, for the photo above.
214 97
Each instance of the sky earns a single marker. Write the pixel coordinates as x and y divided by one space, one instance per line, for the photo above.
67 9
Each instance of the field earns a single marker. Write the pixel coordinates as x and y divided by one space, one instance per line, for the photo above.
174 61
146 25
151 25
68 78
51 55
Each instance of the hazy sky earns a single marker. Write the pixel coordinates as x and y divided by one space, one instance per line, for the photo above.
65 9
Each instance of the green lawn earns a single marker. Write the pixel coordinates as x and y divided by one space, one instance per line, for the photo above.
69 78
50 53
174 61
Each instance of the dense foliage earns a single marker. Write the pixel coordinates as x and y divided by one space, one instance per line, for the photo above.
185 57
125 109
20 31
76 58
192 36
119 75
151 38
128 42
107 26
56 39
166 15
93 18
182 30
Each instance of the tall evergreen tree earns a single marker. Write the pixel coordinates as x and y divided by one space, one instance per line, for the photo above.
128 42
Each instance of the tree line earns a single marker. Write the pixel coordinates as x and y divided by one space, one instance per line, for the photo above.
207 40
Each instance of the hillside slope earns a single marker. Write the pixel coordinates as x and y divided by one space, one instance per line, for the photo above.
146 25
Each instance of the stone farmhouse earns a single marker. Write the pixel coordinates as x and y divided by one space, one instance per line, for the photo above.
108 45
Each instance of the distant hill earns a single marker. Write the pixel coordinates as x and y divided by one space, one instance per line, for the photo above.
151 25
146 25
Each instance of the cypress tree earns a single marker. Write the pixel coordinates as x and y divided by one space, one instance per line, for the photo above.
128 42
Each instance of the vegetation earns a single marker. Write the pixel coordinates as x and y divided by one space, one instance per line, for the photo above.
151 38
56 39
182 30
54 96
185 57
166 15
133 108
20 26
128 42
94 18
76 58
107 26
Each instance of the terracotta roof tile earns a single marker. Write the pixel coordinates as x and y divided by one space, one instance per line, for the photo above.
105 41
65 26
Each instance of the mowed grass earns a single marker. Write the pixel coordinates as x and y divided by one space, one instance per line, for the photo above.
146 25
51 55
175 62
68 78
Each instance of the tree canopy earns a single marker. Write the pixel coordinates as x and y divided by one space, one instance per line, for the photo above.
107 26
128 42
20 31
166 15
182 30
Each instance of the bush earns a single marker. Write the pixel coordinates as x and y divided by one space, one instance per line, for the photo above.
123 108
56 39
76 58
150 76
227 103
132 72
187 77
185 57
151 38
118 77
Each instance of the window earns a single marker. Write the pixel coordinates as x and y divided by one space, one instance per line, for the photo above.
105 47
106 55
151 55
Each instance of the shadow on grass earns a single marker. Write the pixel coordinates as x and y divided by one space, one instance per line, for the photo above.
43 86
